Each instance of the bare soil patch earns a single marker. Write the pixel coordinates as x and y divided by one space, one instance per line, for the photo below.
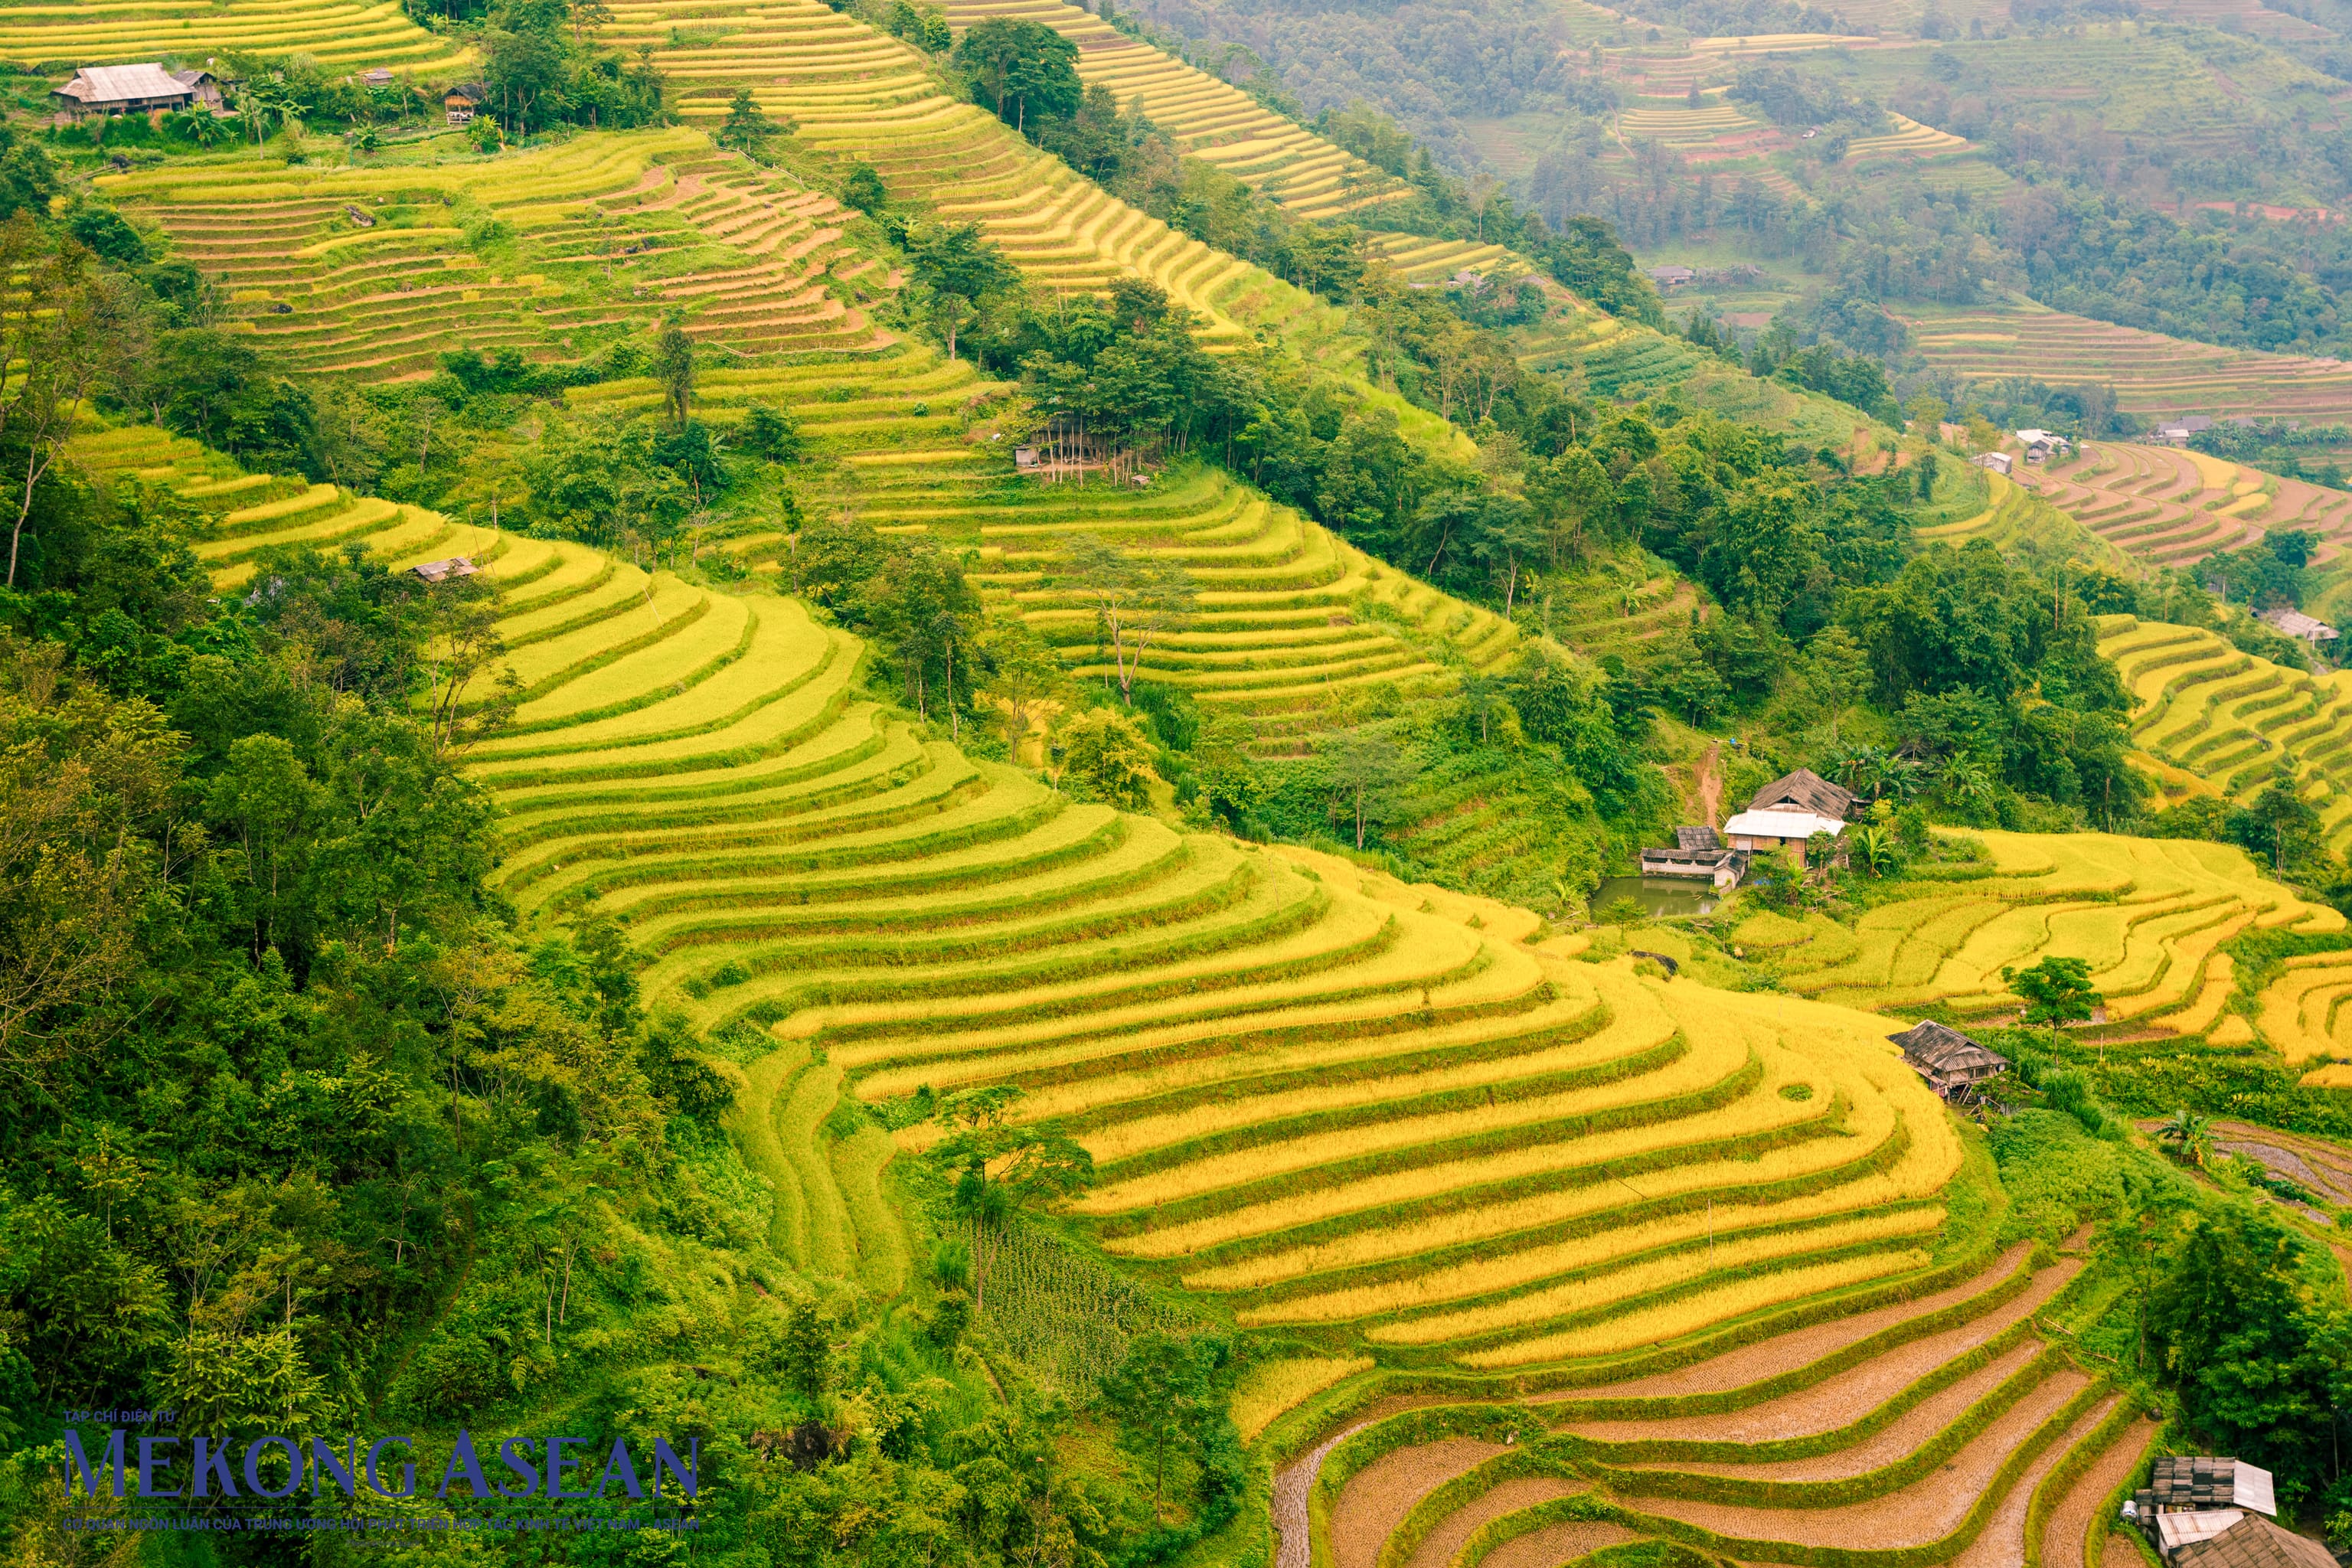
1845 1396
1555 1544
2062 1539
1927 1510
1784 1353
2001 1544
1438 1547
1378 1497
1909 1432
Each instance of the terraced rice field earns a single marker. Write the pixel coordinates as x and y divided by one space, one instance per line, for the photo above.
1373 1113
1953 159
2213 720
2152 374
352 33
866 97
2148 915
1211 120
2177 507
1946 1427
369 271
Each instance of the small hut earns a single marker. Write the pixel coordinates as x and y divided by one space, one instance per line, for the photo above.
442 571
1952 1063
464 101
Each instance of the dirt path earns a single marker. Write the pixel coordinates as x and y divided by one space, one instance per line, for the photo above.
1800 1347
1710 785
1378 1497
1438 1547
1909 1432
1292 1482
1846 1396
2062 1539
1926 1510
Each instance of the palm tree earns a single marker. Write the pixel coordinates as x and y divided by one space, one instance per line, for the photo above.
2191 1134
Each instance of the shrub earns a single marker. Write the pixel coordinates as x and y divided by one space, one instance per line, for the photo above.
1108 750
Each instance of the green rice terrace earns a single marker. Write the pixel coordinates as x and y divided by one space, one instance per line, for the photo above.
996 1162
1396 1128
1556 1254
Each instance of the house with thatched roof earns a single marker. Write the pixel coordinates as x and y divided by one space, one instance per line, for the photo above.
1952 1063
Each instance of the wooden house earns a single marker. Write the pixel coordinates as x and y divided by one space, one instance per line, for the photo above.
2192 1504
443 571
462 102
134 90
1786 812
1953 1064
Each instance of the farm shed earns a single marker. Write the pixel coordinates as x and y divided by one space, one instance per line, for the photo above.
1998 462
2041 445
1671 276
2295 624
1697 852
464 101
442 571
1950 1062
134 90
2252 1542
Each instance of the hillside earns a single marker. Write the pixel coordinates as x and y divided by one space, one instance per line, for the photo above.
2213 720
1405 1091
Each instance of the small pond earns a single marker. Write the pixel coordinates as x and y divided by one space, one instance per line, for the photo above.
1658 896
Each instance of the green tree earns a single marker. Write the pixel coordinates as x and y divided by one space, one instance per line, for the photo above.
1833 675
1367 773
2057 991
1023 71
1169 1393
1134 597
747 128
1001 1166
863 189
2191 1133
1109 750
674 368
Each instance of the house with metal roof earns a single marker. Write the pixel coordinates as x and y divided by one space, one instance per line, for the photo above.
1952 1063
